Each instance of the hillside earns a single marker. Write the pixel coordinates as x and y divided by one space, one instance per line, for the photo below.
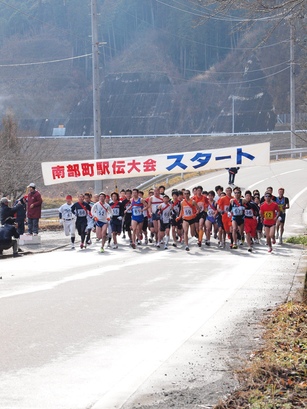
165 67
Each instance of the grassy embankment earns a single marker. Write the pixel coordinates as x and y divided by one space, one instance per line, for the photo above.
276 376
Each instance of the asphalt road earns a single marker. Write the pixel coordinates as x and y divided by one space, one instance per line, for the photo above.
86 330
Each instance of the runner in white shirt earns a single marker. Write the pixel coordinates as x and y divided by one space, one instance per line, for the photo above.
102 213
68 220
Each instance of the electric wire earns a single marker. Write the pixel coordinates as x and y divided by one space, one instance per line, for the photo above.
45 62
230 18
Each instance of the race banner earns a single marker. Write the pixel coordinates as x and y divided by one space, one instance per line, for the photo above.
151 165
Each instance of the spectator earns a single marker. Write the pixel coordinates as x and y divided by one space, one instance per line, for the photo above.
21 214
8 234
232 173
34 209
6 211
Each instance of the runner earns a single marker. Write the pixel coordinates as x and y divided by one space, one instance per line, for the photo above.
68 220
251 214
175 212
164 211
102 214
90 221
138 205
202 203
153 203
81 210
269 211
236 210
223 208
116 221
188 212
283 204
145 221
211 216
256 199
127 212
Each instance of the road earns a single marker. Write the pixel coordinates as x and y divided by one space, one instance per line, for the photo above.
86 330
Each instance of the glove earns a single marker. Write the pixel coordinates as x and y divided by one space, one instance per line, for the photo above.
119 218
229 214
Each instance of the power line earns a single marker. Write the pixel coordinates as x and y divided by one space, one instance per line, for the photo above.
45 62
215 16
238 72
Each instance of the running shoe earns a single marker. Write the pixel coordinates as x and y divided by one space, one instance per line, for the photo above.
241 242
280 240
187 248
207 242
101 250
133 245
81 246
158 245
72 247
88 242
115 246
165 247
270 250
146 240
234 246
199 243
174 245
123 236
249 249
221 245
150 240
273 241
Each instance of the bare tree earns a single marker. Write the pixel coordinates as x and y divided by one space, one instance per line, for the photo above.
17 164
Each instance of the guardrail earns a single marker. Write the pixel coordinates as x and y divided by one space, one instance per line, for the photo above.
177 135
287 152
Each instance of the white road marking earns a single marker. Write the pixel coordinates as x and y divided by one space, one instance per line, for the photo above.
293 200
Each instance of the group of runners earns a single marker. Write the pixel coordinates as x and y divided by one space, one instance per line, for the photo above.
227 216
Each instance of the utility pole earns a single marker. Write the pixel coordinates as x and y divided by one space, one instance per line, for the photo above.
292 90
96 89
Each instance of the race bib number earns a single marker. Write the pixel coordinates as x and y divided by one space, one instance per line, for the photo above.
269 215
187 211
281 207
210 212
237 211
201 206
116 211
137 211
249 213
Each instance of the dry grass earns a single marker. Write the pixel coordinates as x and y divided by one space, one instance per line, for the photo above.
277 375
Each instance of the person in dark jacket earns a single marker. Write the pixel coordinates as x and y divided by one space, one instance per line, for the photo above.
8 234
232 173
34 209
7 211
21 214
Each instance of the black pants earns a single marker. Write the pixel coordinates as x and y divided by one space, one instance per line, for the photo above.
231 178
7 245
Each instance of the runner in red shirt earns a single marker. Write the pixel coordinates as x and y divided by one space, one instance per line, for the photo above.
269 212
